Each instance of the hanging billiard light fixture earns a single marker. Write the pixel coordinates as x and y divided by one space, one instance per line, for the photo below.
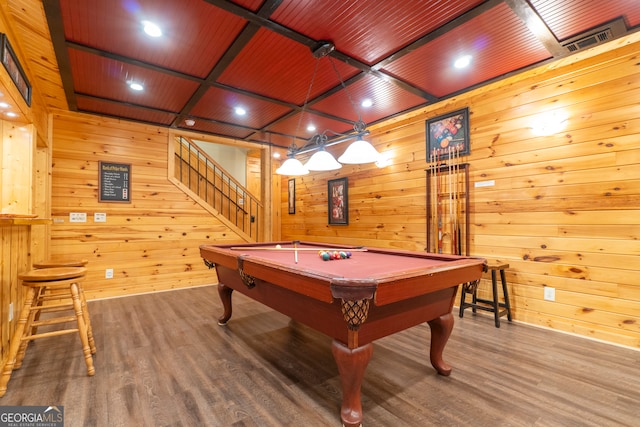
358 152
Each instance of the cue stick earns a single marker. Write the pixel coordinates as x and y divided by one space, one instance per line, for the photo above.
432 158
439 169
456 171
434 219
450 183
455 206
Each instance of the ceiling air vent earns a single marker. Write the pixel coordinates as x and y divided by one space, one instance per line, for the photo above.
602 34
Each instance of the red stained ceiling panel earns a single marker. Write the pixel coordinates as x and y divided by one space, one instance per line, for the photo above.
195 35
275 66
497 40
106 108
252 5
368 30
387 99
105 78
220 104
568 18
321 123
273 138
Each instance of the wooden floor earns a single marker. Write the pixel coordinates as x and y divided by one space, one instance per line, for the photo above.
163 361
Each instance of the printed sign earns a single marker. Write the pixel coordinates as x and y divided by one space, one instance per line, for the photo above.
115 182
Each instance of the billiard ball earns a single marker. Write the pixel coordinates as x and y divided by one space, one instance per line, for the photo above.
278 247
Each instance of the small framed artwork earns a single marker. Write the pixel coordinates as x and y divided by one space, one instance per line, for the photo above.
448 135
292 196
338 201
14 69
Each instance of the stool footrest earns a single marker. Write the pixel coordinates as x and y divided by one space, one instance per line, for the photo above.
50 334
55 307
54 321
486 301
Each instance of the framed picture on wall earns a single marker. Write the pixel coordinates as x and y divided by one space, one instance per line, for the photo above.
14 69
448 135
338 201
292 196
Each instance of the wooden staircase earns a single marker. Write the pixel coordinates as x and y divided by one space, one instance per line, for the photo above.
213 186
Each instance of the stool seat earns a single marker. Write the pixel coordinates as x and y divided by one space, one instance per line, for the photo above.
52 274
60 262
56 291
497 265
493 305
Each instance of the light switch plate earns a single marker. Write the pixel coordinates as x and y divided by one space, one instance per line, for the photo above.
77 217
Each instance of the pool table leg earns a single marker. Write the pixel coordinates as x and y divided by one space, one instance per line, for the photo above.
440 331
225 296
351 365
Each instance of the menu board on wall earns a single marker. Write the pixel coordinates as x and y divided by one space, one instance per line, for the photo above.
114 182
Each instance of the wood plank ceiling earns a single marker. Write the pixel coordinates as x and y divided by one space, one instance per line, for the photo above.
216 55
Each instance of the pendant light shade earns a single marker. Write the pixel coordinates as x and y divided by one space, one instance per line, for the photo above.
359 152
322 161
292 167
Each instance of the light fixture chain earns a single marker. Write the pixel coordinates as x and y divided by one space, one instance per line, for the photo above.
306 100
353 104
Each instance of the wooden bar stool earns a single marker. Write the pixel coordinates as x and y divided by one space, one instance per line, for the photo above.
50 290
65 262
493 305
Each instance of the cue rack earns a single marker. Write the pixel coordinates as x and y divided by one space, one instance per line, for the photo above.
447 203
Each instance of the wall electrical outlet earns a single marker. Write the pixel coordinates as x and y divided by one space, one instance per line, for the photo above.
77 217
549 293
108 273
99 217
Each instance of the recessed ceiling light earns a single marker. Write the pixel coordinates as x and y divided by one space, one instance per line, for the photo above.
463 61
240 111
276 155
151 29
136 86
311 128
189 122
367 103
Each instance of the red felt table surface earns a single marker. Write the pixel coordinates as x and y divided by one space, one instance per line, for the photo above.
368 264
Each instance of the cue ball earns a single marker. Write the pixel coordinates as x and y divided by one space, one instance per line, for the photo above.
278 247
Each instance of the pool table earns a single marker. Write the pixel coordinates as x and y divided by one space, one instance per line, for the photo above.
356 300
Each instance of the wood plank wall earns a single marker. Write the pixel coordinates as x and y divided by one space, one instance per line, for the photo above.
564 211
151 243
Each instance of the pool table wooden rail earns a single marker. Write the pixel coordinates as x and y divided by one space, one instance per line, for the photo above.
326 286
